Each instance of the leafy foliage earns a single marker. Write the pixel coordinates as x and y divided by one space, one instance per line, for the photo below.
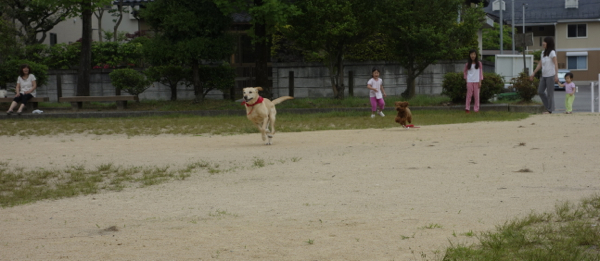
220 77
455 86
35 17
491 38
63 55
187 31
526 88
129 80
327 28
114 54
423 31
9 71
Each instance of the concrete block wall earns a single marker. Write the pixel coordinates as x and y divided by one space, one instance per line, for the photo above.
100 85
312 79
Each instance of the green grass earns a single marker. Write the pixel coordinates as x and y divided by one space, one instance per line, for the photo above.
571 232
210 104
180 124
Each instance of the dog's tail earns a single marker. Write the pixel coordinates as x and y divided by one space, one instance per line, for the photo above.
281 99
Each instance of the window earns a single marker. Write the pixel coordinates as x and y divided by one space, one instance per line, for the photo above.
571 4
52 39
577 60
576 30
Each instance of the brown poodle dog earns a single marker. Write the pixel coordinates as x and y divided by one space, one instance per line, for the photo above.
404 114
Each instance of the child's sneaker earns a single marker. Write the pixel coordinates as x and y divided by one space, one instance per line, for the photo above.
372 115
381 114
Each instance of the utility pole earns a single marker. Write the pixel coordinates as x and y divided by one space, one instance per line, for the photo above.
512 24
524 43
501 27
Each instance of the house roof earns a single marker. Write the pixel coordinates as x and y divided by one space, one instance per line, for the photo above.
540 12
237 17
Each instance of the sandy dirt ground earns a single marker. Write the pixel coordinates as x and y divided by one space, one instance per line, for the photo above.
375 194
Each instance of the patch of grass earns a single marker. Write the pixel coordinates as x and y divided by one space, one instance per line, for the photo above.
432 226
571 232
259 163
221 213
310 241
20 186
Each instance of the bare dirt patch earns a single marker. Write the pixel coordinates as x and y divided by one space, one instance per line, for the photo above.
376 194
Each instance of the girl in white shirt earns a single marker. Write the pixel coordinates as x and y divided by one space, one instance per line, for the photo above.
376 93
25 90
473 73
549 67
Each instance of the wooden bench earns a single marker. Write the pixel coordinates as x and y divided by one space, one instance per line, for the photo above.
31 104
77 101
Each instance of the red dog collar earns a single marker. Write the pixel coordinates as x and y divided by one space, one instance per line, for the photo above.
260 100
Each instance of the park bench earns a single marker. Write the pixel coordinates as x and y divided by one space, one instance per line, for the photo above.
31 104
77 101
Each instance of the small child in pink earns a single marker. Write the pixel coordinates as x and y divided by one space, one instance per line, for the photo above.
570 92
473 73
376 94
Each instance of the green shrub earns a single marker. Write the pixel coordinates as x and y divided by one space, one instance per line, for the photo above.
491 85
9 71
455 86
129 80
115 54
526 88
63 56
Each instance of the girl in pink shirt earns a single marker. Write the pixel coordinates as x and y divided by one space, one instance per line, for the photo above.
473 73
376 93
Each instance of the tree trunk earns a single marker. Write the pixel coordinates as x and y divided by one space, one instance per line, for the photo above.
116 28
83 79
99 17
410 86
261 48
174 92
340 79
196 81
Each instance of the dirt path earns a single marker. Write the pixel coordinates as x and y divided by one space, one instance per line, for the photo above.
374 194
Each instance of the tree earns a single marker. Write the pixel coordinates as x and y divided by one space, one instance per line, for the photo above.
423 31
35 17
129 80
188 32
119 14
491 38
266 16
328 27
169 75
85 9
8 41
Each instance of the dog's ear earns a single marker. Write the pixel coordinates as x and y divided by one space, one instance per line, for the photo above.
407 104
258 88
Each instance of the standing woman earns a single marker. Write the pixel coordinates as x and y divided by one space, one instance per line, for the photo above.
549 67
25 90
473 74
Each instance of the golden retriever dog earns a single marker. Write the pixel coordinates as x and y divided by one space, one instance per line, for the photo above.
404 114
262 111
